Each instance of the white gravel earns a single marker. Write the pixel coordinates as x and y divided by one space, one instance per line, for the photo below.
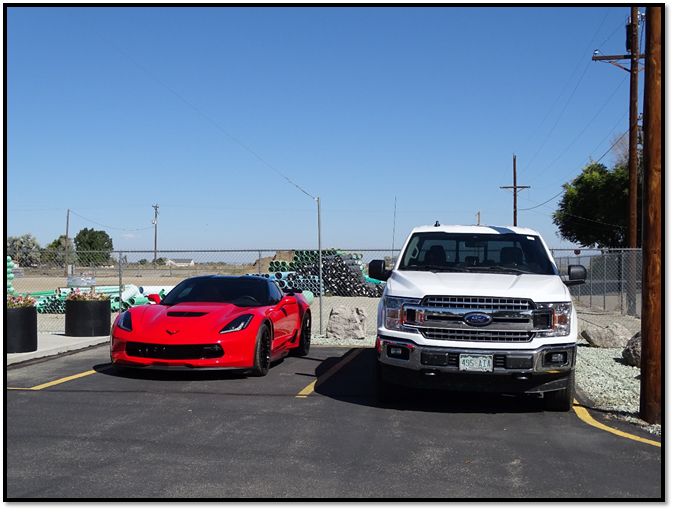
613 386
601 375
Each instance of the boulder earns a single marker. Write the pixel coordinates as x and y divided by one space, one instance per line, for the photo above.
346 323
632 352
613 336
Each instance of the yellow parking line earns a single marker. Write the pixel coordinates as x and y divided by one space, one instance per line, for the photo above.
62 380
585 416
310 388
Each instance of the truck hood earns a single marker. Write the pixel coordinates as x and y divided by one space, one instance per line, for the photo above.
417 284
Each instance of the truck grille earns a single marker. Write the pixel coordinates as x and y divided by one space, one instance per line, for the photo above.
479 303
446 334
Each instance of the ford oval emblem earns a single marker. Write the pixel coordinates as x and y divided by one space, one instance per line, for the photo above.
477 319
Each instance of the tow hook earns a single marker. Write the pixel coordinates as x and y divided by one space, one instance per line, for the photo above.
521 376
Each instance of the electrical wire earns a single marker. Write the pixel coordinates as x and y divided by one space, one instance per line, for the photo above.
108 227
193 107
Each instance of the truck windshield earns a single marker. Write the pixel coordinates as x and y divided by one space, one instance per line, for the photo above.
480 253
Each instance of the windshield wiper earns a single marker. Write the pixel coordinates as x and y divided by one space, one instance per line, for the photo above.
434 267
504 269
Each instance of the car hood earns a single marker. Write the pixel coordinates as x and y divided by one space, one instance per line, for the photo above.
417 284
198 317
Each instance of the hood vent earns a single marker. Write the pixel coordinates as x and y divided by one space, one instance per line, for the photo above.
185 314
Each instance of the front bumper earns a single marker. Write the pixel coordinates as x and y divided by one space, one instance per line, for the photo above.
514 370
238 354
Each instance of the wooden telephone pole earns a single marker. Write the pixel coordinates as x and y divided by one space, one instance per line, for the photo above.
515 189
651 303
632 45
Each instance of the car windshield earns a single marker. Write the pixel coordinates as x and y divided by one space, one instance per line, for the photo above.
480 253
240 291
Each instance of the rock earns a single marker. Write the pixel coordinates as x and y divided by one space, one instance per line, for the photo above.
347 323
613 336
632 352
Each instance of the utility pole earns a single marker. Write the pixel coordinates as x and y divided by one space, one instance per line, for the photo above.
66 256
651 303
632 46
156 207
515 189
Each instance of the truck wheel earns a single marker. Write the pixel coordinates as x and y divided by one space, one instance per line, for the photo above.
561 400
386 392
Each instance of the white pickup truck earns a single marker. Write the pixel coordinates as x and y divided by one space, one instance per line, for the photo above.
477 308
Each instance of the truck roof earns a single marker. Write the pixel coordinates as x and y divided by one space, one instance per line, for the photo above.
476 229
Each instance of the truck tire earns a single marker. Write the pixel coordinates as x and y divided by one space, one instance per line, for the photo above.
561 400
386 392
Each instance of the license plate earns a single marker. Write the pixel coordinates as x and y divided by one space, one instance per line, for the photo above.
480 363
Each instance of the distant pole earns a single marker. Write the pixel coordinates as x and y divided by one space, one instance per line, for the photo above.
478 218
320 271
651 302
515 189
66 256
156 207
393 243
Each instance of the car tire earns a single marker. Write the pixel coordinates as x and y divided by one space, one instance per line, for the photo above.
561 400
262 359
302 349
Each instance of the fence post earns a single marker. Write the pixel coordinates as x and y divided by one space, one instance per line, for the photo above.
259 262
604 259
622 280
591 290
121 287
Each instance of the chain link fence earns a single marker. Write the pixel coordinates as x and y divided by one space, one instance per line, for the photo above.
612 292
130 276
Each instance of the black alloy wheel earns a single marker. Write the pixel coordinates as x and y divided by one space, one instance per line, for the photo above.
302 349
262 351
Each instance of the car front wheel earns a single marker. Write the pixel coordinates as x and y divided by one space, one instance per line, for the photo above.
262 359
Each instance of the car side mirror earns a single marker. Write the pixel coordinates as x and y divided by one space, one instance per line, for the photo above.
377 270
577 275
154 297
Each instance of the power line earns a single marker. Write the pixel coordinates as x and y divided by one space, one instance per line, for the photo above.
107 226
192 107
572 94
602 156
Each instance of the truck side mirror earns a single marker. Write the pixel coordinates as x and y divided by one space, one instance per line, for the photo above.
377 270
577 275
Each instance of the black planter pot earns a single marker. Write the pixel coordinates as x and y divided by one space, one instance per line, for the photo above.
21 330
87 319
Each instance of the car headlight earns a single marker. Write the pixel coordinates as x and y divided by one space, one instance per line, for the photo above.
561 319
237 324
125 321
393 311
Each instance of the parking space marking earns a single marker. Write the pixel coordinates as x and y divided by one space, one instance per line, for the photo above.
585 416
310 388
55 382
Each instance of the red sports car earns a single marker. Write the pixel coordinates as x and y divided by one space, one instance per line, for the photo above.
240 323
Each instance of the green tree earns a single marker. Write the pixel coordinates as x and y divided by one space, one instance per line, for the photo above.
98 242
143 262
24 249
161 261
594 210
54 253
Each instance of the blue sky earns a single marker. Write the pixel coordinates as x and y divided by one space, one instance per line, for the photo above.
232 119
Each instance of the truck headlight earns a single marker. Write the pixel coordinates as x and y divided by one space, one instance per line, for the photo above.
561 319
393 311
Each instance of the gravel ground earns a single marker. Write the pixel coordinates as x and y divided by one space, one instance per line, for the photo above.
601 375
